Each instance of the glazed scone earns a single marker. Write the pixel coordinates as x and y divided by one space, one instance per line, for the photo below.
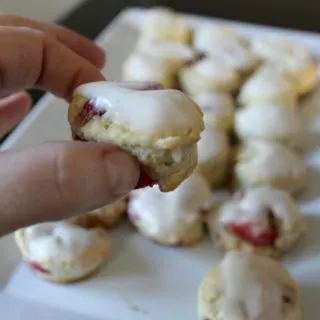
289 57
269 84
263 219
62 252
218 109
304 72
143 67
213 155
172 218
178 54
160 128
245 286
268 48
208 36
208 75
235 55
269 121
107 216
265 163
165 24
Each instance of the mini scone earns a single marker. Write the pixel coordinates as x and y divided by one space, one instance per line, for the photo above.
213 155
268 84
264 163
174 218
235 55
163 23
218 109
107 216
208 75
268 48
246 286
62 252
208 36
178 54
143 67
269 121
160 128
303 71
263 219
289 57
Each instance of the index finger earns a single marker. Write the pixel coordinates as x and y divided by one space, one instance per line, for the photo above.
31 59
76 42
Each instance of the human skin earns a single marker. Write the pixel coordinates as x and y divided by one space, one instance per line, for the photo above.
54 180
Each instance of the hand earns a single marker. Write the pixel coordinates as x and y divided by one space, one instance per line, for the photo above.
52 181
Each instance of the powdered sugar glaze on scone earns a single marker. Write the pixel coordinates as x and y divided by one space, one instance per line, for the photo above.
163 23
264 219
61 251
218 109
213 155
290 57
208 75
140 66
264 163
246 286
159 127
270 121
176 52
172 218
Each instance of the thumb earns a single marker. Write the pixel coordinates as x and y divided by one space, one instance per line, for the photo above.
54 181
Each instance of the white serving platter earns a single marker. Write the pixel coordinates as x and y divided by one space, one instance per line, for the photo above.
143 280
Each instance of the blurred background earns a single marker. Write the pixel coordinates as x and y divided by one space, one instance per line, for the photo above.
89 17
48 10
285 13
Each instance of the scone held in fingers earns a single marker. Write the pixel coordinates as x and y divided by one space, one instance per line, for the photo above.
159 127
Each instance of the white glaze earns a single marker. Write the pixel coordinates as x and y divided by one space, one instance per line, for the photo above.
269 121
218 71
265 161
166 49
273 48
252 288
164 20
269 85
234 55
209 36
142 67
57 240
167 215
152 111
288 57
212 144
218 105
252 209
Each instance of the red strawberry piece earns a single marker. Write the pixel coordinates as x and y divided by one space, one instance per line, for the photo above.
244 231
37 267
150 86
144 180
141 85
87 112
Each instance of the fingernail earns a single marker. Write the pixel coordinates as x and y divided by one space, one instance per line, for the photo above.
123 172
